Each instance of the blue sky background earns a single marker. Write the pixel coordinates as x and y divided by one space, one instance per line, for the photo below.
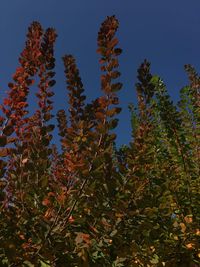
167 33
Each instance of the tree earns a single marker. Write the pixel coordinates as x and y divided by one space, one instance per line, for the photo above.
89 203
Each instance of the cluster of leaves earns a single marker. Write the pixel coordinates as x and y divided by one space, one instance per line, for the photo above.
88 203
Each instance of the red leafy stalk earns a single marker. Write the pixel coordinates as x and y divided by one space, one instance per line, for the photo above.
145 89
62 125
36 137
77 128
75 90
73 135
84 119
34 133
47 63
107 49
15 105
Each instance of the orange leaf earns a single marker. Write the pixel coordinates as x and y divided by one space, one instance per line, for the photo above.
46 202
113 43
99 115
4 152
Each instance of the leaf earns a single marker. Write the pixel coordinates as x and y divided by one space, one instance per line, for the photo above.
155 80
46 264
115 74
113 43
100 115
117 51
82 238
113 124
119 262
50 127
2 163
8 130
2 172
44 181
28 264
47 116
113 233
3 140
30 82
24 160
113 111
116 87
155 259
190 245
46 202
45 141
52 83
183 227
1 119
11 140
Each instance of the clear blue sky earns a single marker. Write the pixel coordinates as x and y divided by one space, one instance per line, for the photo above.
165 32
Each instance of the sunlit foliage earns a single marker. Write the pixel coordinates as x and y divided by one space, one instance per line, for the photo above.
84 202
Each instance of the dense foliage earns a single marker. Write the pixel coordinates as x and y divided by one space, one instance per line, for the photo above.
89 203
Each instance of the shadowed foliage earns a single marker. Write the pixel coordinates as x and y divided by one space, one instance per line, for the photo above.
88 203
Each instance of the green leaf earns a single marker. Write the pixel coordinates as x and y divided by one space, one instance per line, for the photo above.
28 263
119 262
114 232
45 264
155 259
44 180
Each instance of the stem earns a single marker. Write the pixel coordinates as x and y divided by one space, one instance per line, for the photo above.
48 233
84 183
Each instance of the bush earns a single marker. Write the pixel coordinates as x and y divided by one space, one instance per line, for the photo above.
89 203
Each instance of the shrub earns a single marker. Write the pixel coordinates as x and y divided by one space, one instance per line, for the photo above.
89 203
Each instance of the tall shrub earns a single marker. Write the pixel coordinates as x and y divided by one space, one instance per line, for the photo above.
89 203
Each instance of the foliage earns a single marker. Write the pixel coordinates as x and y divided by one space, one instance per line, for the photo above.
89 203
